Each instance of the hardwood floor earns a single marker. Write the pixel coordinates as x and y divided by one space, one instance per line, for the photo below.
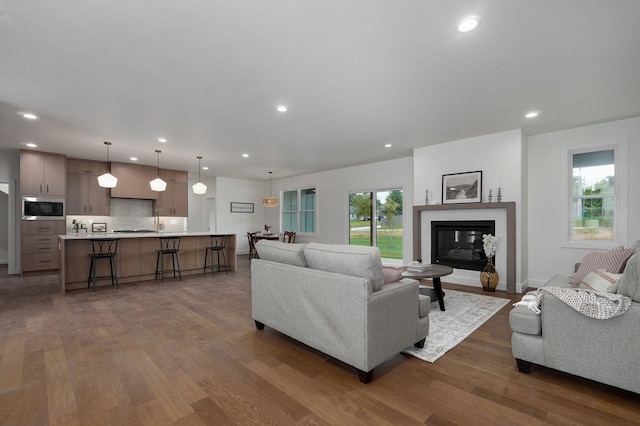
188 353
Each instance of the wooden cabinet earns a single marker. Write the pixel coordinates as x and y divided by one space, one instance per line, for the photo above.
85 196
42 173
40 251
174 201
133 181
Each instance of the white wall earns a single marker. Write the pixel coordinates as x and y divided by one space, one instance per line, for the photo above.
4 223
243 191
548 252
198 219
332 191
499 157
10 174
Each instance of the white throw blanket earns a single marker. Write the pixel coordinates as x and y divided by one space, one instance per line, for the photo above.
587 302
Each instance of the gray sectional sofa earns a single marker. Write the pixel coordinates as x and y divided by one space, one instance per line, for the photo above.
333 298
559 337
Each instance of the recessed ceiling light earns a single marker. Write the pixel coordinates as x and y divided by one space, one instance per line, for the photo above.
532 114
162 140
387 145
29 115
281 108
133 158
205 168
469 23
32 145
245 155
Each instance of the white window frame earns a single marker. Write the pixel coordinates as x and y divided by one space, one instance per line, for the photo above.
299 210
620 218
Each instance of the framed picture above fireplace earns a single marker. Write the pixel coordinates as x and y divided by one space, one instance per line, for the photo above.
462 187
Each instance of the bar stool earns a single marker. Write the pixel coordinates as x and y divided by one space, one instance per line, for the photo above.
168 246
103 248
218 243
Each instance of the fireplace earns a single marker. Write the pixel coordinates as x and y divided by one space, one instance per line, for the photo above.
459 243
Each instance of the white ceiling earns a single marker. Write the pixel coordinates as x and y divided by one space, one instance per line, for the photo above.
355 74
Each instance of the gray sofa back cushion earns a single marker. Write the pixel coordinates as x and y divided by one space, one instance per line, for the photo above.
629 284
276 251
359 261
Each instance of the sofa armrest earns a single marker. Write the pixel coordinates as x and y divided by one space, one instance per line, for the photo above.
393 318
602 350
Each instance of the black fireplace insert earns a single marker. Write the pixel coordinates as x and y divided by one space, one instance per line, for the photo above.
458 243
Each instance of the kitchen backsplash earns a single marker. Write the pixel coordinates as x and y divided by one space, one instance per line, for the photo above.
128 214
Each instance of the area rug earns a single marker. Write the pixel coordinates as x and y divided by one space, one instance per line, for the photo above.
465 312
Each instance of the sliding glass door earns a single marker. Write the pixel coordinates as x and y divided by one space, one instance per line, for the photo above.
375 219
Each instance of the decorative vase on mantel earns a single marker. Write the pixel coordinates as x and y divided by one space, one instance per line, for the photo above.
489 276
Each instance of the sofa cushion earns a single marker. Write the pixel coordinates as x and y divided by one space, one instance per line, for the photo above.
359 261
292 254
599 280
629 283
611 261
392 273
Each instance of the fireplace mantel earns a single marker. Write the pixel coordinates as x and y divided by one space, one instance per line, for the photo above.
510 208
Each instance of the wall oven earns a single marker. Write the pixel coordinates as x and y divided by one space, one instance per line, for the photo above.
35 208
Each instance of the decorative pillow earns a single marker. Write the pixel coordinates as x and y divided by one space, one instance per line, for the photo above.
599 280
359 261
276 251
392 273
636 246
629 284
611 261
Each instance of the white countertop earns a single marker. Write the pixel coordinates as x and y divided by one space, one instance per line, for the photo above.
90 235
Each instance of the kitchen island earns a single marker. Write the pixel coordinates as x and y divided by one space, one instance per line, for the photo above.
136 259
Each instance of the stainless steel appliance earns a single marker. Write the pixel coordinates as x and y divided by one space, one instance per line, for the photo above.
40 208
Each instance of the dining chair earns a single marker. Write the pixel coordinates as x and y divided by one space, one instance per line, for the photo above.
253 253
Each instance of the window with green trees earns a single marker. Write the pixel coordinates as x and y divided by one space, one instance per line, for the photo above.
593 195
377 223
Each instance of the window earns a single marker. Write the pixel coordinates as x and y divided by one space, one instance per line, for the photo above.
377 223
299 211
593 195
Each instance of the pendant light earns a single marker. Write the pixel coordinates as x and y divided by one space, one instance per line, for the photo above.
107 180
158 184
199 188
270 201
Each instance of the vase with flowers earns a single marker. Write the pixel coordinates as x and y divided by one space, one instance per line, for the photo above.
489 276
267 229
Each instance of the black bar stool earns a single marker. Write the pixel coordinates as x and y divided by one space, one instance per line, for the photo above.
103 248
218 243
170 246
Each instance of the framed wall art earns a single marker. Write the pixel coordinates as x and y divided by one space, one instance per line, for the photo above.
241 207
462 188
98 227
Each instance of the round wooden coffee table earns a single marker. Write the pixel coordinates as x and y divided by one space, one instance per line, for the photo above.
434 274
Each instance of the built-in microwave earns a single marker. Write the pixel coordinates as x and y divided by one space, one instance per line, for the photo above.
36 208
